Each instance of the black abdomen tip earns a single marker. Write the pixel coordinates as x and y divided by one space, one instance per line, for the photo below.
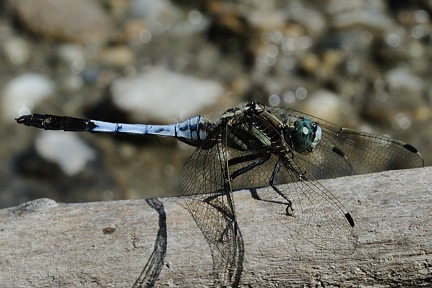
25 119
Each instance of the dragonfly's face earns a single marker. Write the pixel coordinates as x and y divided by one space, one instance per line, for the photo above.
307 135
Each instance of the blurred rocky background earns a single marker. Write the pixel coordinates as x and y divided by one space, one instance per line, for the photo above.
362 64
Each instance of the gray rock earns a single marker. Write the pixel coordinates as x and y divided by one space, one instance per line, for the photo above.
23 93
67 150
77 21
159 95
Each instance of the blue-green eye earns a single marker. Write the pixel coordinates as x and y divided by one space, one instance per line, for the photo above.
307 135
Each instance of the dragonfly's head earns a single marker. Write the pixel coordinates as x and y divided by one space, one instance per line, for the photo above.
307 135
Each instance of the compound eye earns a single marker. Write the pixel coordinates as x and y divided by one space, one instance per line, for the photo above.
307 135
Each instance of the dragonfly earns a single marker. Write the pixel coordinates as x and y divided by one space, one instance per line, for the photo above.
258 146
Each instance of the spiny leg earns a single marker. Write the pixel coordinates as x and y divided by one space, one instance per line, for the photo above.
259 160
289 210
221 207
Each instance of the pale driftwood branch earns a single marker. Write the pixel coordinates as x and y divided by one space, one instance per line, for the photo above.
115 244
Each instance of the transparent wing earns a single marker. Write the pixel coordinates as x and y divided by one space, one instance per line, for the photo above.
316 214
372 153
208 197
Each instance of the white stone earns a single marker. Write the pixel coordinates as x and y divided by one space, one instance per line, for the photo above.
65 149
23 93
160 95
325 105
403 78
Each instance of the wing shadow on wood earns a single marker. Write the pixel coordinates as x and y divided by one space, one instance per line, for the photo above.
152 269
228 272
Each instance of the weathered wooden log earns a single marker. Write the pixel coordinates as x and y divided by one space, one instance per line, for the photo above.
156 242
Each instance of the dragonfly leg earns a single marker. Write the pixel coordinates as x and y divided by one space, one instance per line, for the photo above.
259 159
226 210
289 210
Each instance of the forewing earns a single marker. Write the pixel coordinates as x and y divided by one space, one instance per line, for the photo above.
370 153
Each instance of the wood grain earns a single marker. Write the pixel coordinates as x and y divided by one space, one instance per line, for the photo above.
155 242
